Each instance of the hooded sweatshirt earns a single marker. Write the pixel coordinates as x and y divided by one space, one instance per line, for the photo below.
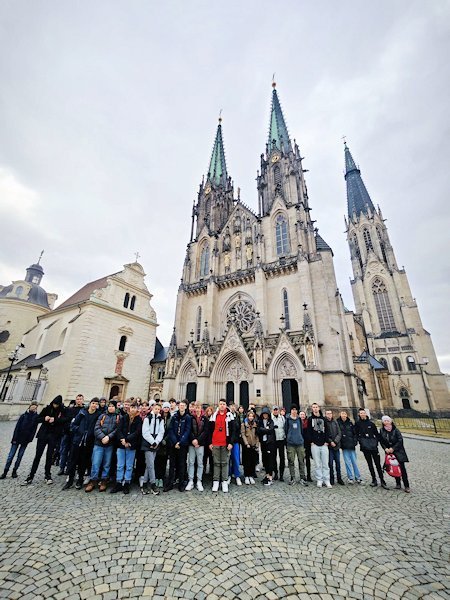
317 429
294 431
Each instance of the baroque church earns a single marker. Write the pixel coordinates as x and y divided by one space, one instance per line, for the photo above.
259 317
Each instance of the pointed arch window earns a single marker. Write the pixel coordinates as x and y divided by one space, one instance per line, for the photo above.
356 248
383 306
411 363
383 361
367 240
204 261
281 232
404 395
126 300
198 324
396 364
287 321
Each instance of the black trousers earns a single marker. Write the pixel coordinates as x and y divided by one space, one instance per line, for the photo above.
308 457
404 476
177 465
161 464
41 444
280 449
250 459
268 452
79 460
373 458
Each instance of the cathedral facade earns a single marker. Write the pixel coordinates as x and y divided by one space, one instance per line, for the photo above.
259 317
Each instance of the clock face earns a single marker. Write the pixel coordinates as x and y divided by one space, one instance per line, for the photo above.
207 189
275 158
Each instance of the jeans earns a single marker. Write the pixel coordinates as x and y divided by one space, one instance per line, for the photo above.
195 453
12 452
351 464
372 457
125 463
320 457
280 449
334 457
299 452
221 457
51 443
235 460
149 473
101 454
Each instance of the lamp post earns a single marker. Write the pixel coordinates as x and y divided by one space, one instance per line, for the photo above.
13 359
430 410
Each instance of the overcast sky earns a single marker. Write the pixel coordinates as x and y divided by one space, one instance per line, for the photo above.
108 111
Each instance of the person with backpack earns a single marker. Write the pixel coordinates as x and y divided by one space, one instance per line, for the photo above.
295 445
367 436
348 445
391 441
152 436
129 437
266 434
250 447
199 437
24 432
105 432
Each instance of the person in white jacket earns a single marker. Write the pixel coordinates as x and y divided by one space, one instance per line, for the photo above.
152 435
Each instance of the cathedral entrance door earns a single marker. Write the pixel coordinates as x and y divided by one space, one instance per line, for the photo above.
229 392
191 391
243 394
289 391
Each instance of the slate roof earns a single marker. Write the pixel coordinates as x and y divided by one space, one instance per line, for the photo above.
32 362
358 198
321 244
85 292
160 352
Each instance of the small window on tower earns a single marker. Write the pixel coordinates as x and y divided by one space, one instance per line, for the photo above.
281 231
367 240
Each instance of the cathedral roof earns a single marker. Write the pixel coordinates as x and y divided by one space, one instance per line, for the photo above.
358 199
85 292
160 352
32 362
321 244
217 172
278 132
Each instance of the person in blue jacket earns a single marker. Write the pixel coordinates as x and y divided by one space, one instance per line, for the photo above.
178 439
24 433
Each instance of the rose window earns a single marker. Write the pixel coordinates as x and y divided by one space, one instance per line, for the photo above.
242 314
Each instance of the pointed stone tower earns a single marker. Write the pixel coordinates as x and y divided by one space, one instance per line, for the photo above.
386 308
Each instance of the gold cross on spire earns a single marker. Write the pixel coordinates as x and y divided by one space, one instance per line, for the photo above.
137 255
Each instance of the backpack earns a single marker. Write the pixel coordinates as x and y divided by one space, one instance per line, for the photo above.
392 466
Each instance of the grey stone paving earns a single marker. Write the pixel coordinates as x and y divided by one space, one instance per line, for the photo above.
280 542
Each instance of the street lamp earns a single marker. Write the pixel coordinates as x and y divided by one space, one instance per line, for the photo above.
423 364
13 359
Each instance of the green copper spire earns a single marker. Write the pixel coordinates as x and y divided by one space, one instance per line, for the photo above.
277 131
217 172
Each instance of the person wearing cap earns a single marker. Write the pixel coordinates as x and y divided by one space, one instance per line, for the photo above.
317 433
48 436
295 445
222 436
367 436
266 434
250 447
23 434
280 441
105 432
162 451
391 441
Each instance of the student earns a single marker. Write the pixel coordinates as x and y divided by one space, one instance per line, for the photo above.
207 455
334 445
295 445
250 447
221 434
82 436
162 453
235 456
24 432
196 451
319 446
105 432
49 435
280 441
65 445
178 438
307 444
129 434
266 434
348 445
391 441
152 436
367 436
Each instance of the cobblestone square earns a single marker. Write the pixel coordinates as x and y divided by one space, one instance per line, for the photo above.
280 542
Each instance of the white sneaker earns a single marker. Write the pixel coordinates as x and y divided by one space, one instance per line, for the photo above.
141 481
319 484
225 487
199 486
238 481
257 469
247 481
229 480
190 486
49 481
252 481
350 481
328 484
215 487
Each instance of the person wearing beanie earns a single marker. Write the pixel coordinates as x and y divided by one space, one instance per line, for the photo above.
391 441
52 419
24 432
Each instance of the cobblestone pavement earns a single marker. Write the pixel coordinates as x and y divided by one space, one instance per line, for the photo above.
255 542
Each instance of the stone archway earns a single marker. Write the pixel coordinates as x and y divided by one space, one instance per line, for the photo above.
287 380
230 372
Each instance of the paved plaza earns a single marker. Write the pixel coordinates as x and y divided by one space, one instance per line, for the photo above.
255 542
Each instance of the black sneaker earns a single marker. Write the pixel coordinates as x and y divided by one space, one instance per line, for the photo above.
292 482
303 482
117 488
341 482
3 475
384 485
264 481
126 488
144 489
67 485
60 472
154 489
14 474
28 481
79 484
373 484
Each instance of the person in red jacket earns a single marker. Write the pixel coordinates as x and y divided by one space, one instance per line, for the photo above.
222 436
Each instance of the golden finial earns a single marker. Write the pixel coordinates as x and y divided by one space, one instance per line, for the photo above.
274 85
220 116
344 137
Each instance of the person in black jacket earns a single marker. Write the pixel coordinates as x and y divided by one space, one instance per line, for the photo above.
307 441
178 438
348 445
129 436
65 445
82 443
391 441
367 436
266 434
318 436
24 432
49 434
334 445
199 437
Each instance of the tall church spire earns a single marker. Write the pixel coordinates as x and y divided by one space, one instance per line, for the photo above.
278 133
358 198
217 172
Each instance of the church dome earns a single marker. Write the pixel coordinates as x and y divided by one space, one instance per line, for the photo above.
31 291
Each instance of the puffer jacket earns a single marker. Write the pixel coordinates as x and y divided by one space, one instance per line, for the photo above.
82 427
348 437
394 439
152 432
107 425
367 435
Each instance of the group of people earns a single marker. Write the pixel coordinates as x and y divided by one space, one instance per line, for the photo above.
107 444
